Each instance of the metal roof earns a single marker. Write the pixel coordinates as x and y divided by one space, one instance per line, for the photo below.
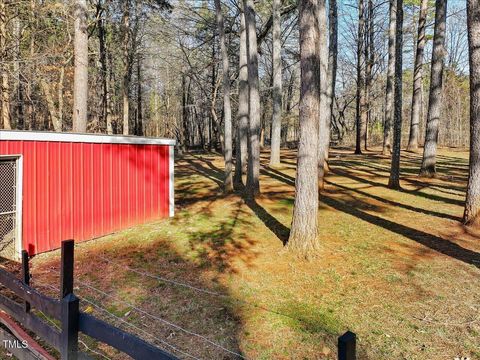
81 138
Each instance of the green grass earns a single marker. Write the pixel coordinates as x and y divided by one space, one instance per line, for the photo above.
310 319
395 267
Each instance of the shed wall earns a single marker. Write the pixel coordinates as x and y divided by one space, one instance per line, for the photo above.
85 190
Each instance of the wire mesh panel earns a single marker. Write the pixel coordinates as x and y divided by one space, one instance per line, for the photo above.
8 207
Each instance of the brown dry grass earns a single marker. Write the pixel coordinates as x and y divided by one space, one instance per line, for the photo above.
397 268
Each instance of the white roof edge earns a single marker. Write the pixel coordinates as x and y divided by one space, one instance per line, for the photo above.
81 138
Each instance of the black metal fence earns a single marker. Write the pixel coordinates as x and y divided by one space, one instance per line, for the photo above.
67 312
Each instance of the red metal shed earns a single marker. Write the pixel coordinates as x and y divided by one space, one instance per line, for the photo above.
57 186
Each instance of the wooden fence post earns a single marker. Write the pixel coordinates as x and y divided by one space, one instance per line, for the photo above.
69 335
70 304
25 275
66 268
347 346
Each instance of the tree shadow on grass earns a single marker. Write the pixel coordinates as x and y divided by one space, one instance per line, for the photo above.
215 174
433 242
348 174
289 180
220 246
378 172
449 169
215 244
281 231
278 175
395 203
354 208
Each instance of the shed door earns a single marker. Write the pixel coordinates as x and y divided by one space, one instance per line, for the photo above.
9 208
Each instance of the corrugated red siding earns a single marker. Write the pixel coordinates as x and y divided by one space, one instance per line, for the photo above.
84 190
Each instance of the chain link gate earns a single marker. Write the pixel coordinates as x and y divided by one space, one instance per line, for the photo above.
8 208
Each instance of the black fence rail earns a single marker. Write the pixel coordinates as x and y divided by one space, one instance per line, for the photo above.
67 312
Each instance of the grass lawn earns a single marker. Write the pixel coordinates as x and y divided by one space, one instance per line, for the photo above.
397 268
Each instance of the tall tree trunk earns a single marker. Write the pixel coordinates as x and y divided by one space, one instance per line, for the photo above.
360 112
328 89
304 232
253 172
394 181
139 117
369 60
17 90
80 82
389 96
291 85
326 102
472 204
332 71
111 118
418 79
243 100
106 119
213 99
323 133
45 88
126 67
29 109
5 86
214 136
436 86
60 87
227 110
6 120
53 111
277 84
262 132
185 112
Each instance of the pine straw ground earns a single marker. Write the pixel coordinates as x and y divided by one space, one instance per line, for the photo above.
397 268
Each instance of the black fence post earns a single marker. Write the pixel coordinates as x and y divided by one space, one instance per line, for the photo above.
25 275
347 346
70 304
69 335
66 268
